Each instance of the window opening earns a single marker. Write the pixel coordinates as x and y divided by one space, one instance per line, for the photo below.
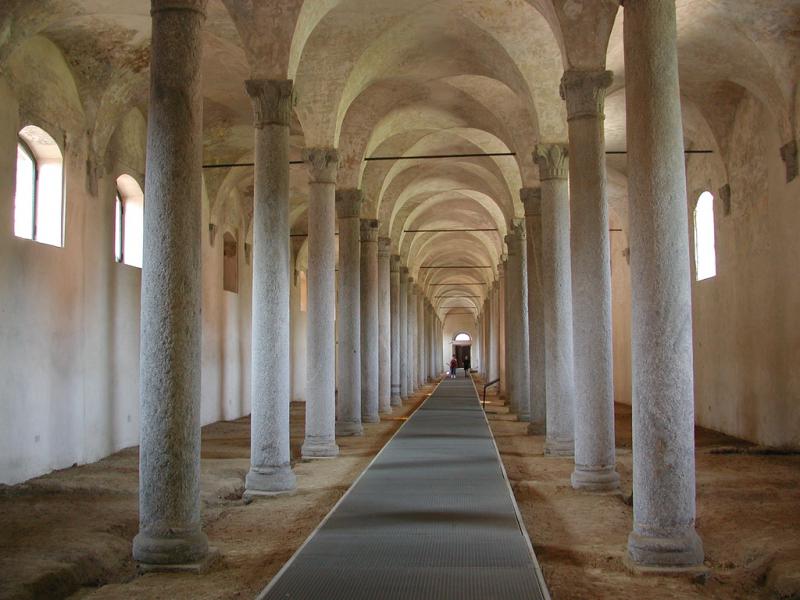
463 337
39 195
705 256
129 222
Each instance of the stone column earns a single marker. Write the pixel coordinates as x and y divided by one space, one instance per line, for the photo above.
369 321
505 382
169 456
384 328
395 329
432 345
557 299
584 92
320 440
663 401
519 367
270 469
494 356
420 337
412 336
403 326
348 409
532 201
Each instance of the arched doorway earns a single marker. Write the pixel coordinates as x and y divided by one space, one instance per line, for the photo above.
462 348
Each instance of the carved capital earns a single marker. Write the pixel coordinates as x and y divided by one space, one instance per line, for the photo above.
384 247
348 203
516 237
198 6
552 161
394 263
272 101
585 92
322 164
532 201
411 285
369 230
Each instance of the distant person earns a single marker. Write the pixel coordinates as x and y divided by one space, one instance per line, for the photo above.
453 366
466 362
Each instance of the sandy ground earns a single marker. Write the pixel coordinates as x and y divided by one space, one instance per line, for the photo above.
748 516
68 534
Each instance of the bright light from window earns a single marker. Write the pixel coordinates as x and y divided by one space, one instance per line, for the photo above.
39 198
303 292
129 222
463 337
24 196
705 255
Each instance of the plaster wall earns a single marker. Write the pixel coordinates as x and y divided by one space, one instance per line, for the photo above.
746 319
69 317
454 325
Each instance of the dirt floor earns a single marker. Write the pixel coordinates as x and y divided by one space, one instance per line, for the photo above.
68 534
748 516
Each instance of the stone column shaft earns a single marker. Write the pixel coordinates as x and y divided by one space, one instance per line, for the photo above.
505 382
532 201
348 409
403 327
557 300
518 361
584 92
384 328
412 336
270 469
494 356
420 338
320 438
370 377
663 391
395 329
169 455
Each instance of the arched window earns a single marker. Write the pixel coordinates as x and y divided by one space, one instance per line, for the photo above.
129 222
230 263
39 196
462 337
705 256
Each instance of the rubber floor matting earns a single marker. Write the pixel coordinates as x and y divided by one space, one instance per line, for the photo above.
432 517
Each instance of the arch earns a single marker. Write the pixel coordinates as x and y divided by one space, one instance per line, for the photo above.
462 337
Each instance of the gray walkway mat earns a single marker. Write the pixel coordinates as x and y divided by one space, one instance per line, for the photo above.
431 518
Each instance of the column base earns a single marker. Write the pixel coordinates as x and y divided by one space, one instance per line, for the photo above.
349 428
270 480
319 449
523 418
386 410
682 552
595 479
178 548
195 568
559 448
537 428
396 401
370 419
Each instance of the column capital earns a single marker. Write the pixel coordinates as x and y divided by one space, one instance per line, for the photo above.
322 164
369 230
384 247
585 92
198 6
394 263
272 101
532 201
404 271
552 160
348 203
516 237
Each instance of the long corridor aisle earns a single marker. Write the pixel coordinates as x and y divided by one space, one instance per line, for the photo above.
431 518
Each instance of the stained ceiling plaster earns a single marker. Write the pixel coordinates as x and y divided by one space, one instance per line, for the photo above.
388 78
